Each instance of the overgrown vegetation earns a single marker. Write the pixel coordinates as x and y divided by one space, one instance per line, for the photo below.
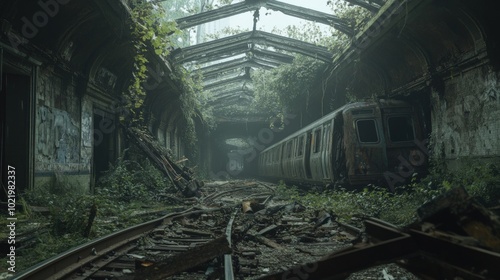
150 31
287 88
154 31
399 207
131 188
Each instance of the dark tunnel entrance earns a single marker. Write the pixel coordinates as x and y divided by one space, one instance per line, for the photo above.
15 127
104 142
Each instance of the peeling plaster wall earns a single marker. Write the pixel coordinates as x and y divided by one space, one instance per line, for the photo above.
466 117
61 145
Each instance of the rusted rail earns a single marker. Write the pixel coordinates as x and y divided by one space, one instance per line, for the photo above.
228 258
70 261
455 237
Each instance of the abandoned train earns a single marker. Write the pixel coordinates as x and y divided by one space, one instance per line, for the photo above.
359 143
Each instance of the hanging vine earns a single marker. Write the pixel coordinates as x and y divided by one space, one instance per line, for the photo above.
191 100
150 32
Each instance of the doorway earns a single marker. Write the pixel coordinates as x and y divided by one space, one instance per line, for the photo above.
15 128
104 143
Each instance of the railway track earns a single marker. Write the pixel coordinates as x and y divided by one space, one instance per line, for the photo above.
242 230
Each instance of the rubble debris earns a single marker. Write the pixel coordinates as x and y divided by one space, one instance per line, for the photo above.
457 210
455 237
183 261
266 241
246 207
268 229
181 177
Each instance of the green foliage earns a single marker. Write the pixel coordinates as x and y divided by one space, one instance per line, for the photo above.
356 16
47 246
130 180
286 88
398 208
192 104
150 31
69 209
69 205
482 182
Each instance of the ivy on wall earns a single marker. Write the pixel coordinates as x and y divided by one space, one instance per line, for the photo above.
150 32
287 88
153 32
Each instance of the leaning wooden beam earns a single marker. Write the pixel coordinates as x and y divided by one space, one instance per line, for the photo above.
184 261
481 263
182 180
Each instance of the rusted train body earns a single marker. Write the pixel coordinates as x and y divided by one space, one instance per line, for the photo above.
359 143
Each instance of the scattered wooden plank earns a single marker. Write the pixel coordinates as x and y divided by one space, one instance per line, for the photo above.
183 261
268 229
267 242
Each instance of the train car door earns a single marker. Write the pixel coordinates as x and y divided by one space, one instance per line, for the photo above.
325 151
316 154
368 155
307 158
338 149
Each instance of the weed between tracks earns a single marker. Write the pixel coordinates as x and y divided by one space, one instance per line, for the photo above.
399 207
133 188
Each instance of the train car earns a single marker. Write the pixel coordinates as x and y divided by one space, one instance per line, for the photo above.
359 143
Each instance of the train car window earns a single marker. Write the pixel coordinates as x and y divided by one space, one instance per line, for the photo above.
317 140
367 131
400 128
300 146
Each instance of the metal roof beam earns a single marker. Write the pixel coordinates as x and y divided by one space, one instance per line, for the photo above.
238 79
238 42
311 15
370 5
229 94
233 64
208 16
248 5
